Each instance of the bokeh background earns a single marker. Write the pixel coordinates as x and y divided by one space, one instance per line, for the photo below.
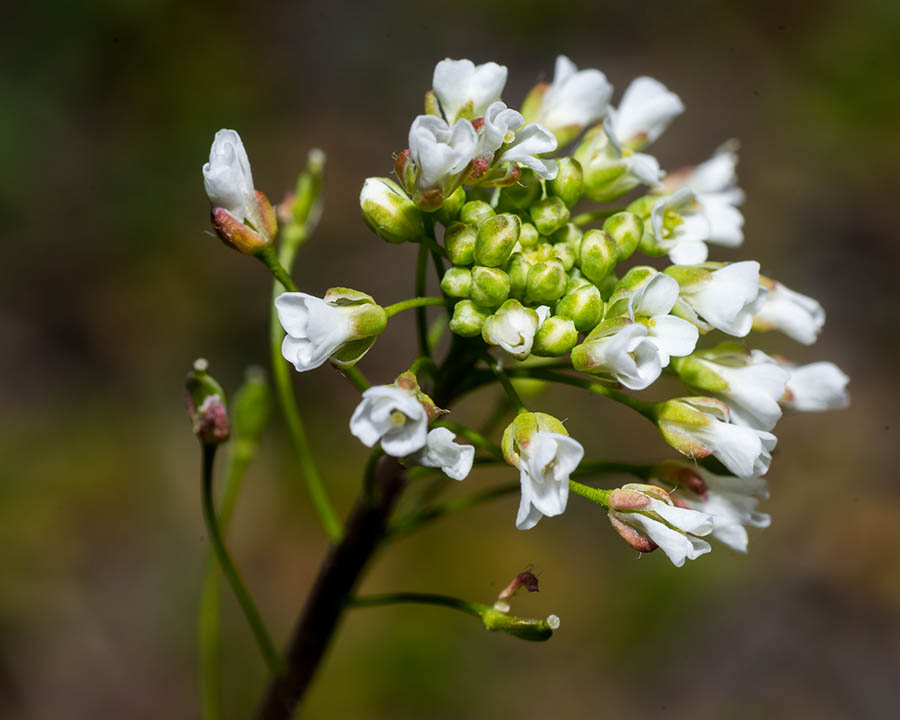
111 285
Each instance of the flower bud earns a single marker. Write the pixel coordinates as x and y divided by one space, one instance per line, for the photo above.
566 253
543 251
475 212
456 282
490 286
518 435
520 195
306 198
468 319
533 629
459 242
583 306
549 215
546 282
497 236
251 408
237 235
528 236
517 268
626 229
389 212
570 234
556 336
568 181
512 327
599 254
448 212
405 169
205 402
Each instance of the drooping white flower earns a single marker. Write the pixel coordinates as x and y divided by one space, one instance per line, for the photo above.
392 415
646 518
513 327
441 451
620 349
505 128
611 170
539 446
652 303
814 387
441 152
464 90
730 501
575 99
645 112
725 298
318 328
799 317
229 181
700 426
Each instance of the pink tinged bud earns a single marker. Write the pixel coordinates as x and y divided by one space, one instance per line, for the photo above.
692 481
632 537
527 580
237 235
267 214
678 502
627 500
405 170
209 421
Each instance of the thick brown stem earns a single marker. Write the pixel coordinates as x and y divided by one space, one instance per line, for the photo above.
338 575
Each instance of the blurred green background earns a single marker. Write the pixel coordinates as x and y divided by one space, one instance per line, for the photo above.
112 285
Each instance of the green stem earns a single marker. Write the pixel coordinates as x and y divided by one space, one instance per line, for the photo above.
601 497
271 261
421 317
470 608
257 626
416 520
419 303
474 437
504 381
355 376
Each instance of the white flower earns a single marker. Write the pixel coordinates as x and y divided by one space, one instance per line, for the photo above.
513 327
228 180
729 500
544 469
814 387
640 513
440 152
716 176
646 110
699 426
521 143
725 299
671 335
440 451
621 350
392 415
465 89
799 317
574 100
683 222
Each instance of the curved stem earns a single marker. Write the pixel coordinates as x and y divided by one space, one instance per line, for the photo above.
504 381
355 376
601 497
257 626
270 260
470 608
419 303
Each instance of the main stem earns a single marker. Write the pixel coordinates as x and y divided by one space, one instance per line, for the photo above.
363 532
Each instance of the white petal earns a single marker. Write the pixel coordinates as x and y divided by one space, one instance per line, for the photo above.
530 141
374 419
574 99
646 110
817 386
798 316
672 337
227 177
458 82
443 452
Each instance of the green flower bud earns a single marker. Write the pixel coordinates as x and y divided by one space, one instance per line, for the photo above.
517 268
452 205
459 242
456 282
520 195
205 402
698 374
584 306
543 251
490 286
607 286
643 206
549 215
599 254
566 254
568 181
631 282
546 282
528 236
533 629
556 336
475 212
468 318
569 233
251 408
576 280
389 212
497 236
626 229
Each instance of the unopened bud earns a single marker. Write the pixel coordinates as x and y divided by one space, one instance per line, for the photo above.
556 336
497 236
626 229
528 236
251 407
549 215
431 104
405 169
599 255
456 282
475 212
459 242
490 286
236 234
205 402
546 282
570 234
517 268
567 254
632 537
521 194
308 189
451 207
543 251
468 318
389 212
568 181
583 306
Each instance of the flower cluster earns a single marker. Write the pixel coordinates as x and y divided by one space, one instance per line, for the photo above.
483 189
